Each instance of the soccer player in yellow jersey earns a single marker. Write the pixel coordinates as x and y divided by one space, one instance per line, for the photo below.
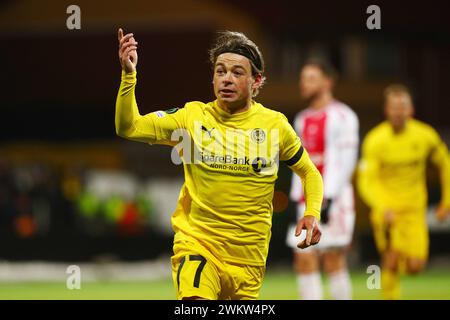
392 181
230 149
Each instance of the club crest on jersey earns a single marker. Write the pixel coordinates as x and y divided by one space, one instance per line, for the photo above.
258 135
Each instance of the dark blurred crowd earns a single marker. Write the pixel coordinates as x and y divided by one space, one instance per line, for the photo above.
38 199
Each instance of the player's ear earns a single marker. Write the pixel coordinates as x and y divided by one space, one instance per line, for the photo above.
330 82
412 111
257 81
385 108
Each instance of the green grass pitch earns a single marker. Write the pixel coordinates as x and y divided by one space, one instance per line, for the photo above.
277 285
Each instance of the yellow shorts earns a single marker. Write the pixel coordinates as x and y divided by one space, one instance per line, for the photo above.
407 234
198 273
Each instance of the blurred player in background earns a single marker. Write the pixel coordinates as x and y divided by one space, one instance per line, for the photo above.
392 181
223 219
329 130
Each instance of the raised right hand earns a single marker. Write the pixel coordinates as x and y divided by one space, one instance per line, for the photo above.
127 51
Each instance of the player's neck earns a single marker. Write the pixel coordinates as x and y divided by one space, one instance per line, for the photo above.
233 108
322 101
398 128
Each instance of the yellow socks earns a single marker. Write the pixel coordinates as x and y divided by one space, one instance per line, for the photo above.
390 284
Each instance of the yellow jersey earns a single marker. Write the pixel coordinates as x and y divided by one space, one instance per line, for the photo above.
230 166
392 171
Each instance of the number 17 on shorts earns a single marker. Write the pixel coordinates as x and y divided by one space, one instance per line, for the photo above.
195 277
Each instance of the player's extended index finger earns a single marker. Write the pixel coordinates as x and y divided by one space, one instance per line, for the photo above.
120 34
125 38
299 228
309 233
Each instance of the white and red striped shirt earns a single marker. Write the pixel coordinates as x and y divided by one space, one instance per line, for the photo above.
331 137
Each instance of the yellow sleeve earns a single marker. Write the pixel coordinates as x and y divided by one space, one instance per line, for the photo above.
155 127
312 184
368 183
297 158
440 157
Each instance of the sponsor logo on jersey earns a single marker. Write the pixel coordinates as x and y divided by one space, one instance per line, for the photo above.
227 159
258 164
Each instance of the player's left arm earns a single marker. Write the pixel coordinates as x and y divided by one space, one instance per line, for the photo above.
296 184
297 158
313 191
441 158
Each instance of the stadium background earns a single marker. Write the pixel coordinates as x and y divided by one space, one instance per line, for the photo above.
72 192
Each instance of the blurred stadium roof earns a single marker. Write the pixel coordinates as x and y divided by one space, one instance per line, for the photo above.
100 16
73 76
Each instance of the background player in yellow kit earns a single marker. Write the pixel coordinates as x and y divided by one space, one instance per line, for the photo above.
223 220
392 181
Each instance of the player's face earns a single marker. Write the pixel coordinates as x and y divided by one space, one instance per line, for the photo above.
398 109
312 82
233 80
